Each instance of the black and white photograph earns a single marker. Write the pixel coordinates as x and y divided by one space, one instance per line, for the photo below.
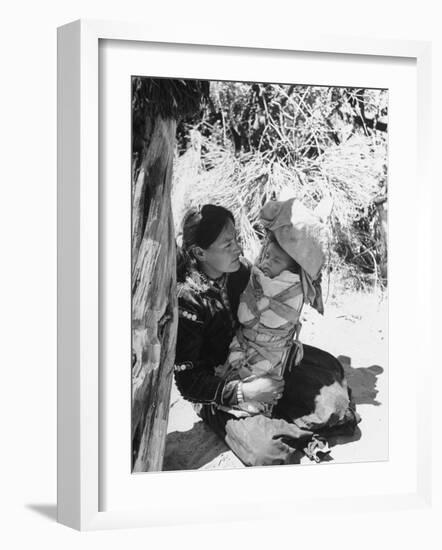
259 276
220 267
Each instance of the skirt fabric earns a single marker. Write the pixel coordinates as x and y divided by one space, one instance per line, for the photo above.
316 399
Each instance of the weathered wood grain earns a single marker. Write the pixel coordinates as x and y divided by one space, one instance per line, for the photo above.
154 309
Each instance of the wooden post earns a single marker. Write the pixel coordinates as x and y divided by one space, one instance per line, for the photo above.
154 309
157 105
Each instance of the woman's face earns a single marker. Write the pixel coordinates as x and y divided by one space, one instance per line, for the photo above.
222 256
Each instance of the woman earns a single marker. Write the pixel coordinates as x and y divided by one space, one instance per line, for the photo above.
211 277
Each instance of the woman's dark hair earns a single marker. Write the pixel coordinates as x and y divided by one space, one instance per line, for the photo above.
201 227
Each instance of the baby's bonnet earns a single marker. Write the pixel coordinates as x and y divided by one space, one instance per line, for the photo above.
299 231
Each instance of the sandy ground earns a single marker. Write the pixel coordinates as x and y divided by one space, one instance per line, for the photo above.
355 331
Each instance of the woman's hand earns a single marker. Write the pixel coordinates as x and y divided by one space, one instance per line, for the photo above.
265 389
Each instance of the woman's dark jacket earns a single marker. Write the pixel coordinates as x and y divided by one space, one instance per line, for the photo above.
206 325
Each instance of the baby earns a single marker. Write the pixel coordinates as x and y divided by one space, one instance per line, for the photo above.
270 306
268 313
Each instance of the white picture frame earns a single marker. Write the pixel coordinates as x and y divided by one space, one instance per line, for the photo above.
79 448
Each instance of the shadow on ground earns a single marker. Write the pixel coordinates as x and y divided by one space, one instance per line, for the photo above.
362 381
192 449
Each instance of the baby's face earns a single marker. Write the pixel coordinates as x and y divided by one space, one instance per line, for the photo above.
275 261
